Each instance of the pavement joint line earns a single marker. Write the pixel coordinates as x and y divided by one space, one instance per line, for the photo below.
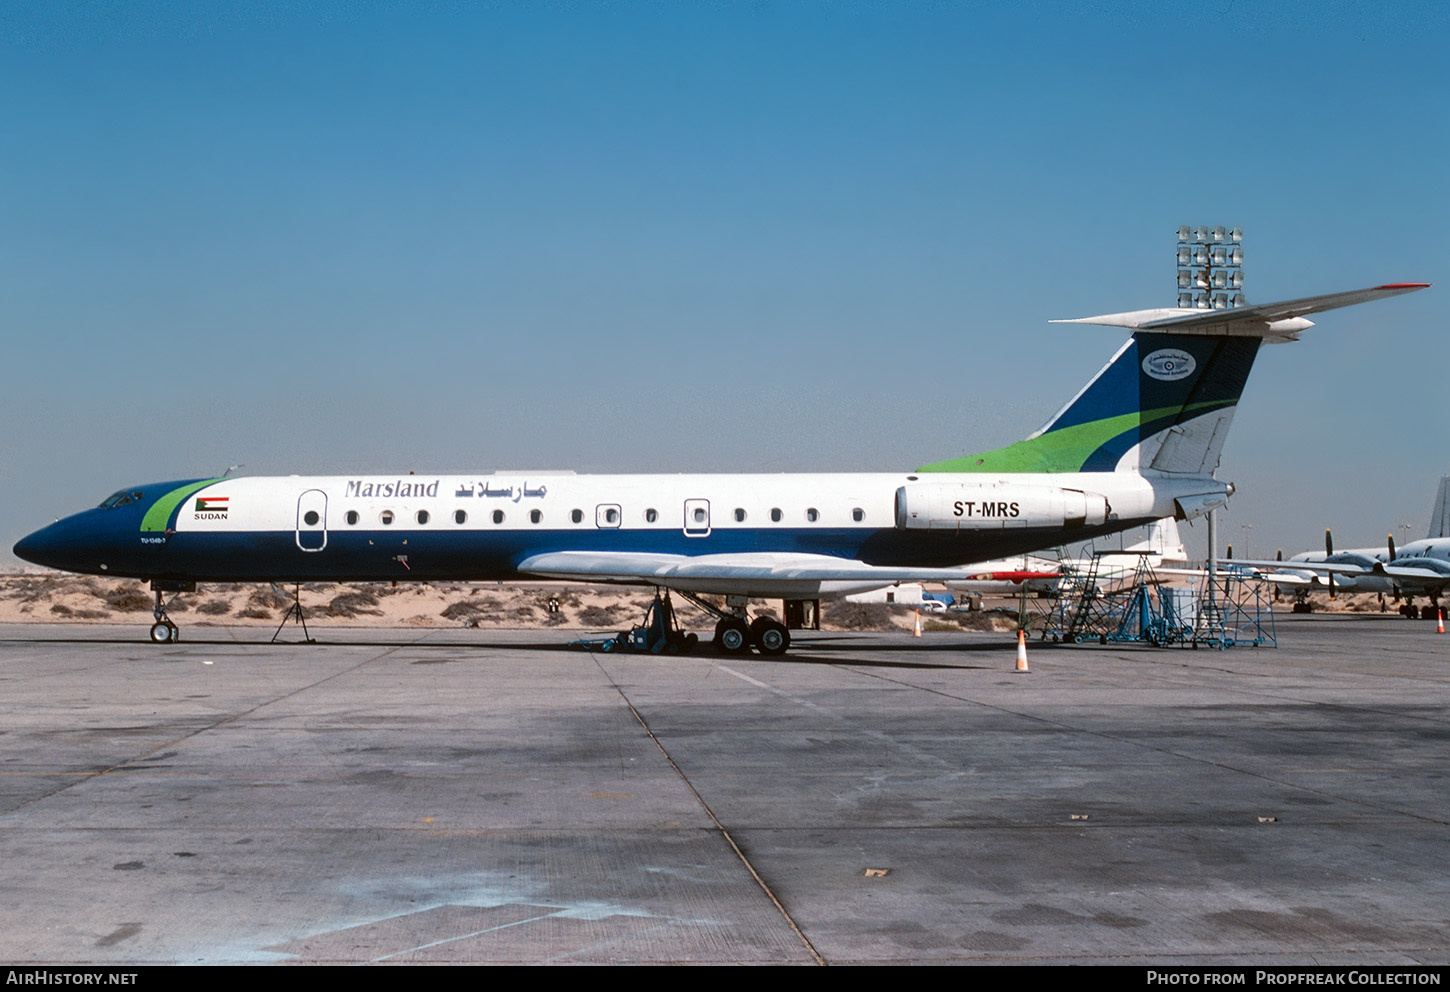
922 756
83 777
724 832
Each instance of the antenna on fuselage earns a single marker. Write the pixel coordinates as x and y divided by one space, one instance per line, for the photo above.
231 469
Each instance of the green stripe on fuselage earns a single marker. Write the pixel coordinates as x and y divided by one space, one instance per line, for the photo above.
159 515
1064 450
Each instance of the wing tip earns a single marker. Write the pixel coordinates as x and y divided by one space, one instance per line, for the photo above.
1405 285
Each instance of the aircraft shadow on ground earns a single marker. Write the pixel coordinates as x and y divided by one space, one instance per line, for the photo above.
828 650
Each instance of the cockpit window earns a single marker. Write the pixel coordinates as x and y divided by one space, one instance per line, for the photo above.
120 499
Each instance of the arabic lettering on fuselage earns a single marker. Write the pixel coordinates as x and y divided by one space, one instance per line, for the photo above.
515 493
397 488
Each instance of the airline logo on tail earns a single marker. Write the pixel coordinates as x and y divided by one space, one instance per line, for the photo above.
1169 365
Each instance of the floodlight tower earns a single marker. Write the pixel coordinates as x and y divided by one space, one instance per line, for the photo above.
1211 277
1210 267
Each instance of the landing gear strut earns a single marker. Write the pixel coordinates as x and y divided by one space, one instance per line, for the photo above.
163 631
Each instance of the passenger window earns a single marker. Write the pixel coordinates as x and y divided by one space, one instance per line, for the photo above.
813 514
386 517
577 516
858 514
498 516
775 515
535 516
739 515
651 515
611 516
460 517
421 516
699 514
310 518
352 518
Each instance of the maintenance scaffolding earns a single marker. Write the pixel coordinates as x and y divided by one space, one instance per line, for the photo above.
1112 605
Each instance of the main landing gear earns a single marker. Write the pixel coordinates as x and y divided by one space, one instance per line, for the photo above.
736 633
1430 611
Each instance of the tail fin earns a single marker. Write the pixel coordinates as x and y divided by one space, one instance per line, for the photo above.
1165 401
1440 515
1168 395
1164 541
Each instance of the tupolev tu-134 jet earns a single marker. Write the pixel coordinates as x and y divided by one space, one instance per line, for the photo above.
1139 442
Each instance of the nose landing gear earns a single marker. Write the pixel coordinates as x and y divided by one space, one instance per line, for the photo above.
163 631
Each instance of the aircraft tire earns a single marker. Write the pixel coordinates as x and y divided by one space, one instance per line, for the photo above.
163 633
732 636
769 636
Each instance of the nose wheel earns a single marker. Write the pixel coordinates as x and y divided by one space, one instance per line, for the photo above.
163 631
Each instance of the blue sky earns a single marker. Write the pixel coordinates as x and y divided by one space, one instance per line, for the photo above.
379 237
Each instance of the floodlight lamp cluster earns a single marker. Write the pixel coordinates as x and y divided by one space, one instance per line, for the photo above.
1210 267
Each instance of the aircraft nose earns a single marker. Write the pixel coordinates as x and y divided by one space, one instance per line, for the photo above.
70 545
29 548
35 548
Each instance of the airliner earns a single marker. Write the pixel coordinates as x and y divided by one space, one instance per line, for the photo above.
1139 442
1420 568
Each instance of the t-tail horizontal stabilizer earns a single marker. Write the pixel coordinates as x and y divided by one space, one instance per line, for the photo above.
1165 401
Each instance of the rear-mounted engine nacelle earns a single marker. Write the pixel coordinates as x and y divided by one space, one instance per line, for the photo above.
994 507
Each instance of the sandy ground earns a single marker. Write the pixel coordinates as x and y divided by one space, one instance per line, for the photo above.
61 598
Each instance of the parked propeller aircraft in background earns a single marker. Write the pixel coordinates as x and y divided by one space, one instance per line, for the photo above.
1139 442
1420 568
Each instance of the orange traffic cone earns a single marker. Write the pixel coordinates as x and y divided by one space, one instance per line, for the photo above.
1440 626
1022 651
916 631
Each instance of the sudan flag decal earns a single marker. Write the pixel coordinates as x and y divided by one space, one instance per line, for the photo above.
211 508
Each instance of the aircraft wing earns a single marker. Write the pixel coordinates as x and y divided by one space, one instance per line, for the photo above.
1413 572
791 576
1335 567
1288 578
1286 571
1015 575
